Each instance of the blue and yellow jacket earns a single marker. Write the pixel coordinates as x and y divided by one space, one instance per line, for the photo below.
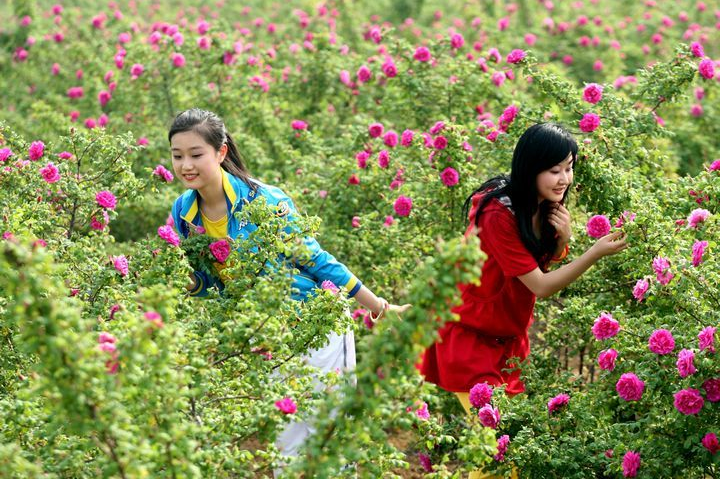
320 267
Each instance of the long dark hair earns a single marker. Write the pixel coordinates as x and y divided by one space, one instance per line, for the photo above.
540 147
211 127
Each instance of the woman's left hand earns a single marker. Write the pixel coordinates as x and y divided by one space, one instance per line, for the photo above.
560 219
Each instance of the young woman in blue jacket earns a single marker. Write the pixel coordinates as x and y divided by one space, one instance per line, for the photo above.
207 162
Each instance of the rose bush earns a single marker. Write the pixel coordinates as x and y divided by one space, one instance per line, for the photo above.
380 120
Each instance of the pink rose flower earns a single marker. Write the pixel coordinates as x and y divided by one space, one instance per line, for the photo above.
605 327
706 339
422 412
390 138
106 338
711 443
457 41
688 401
286 406
403 205
440 142
383 158
480 395
697 50
662 268
630 387
556 403
502 448
389 68
706 69
697 251
5 153
154 318
178 60
640 289
120 263
489 416
298 125
631 463
684 363
516 56
169 235
607 359
598 226
106 199
711 386
589 122
329 286
220 249
50 173
162 172
407 138
699 215
449 177
136 70
36 150
425 461
422 54
375 130
661 341
593 93
363 74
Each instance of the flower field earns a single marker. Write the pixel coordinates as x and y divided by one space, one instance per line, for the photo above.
378 119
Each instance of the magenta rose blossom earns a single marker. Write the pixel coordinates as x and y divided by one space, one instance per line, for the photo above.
684 364
630 387
598 226
298 125
425 461
688 401
502 446
407 137
422 412
36 150
556 403
449 177
640 289
593 93
375 130
162 172
607 359
631 463
706 339
699 215
330 286
50 173
120 263
711 386
589 122
220 249
286 406
516 56
390 138
422 54
169 235
697 251
489 416
403 205
480 395
605 327
661 341
710 442
706 69
105 199
440 142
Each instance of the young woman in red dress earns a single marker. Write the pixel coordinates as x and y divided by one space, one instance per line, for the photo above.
523 226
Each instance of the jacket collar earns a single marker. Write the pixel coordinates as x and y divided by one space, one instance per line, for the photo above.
234 189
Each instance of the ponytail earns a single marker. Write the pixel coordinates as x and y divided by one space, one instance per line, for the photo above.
233 163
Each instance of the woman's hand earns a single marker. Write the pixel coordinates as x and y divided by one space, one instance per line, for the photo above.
610 244
385 306
560 219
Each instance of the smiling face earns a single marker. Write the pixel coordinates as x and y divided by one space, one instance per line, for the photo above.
551 184
196 162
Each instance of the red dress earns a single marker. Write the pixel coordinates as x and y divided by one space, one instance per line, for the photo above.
494 317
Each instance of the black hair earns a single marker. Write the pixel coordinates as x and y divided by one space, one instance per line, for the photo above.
211 127
540 147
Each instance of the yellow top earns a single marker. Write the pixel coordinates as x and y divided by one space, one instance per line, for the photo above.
217 228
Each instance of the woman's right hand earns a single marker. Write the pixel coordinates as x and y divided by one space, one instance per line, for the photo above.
610 244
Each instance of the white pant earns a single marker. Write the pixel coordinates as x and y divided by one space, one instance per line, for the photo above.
337 355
